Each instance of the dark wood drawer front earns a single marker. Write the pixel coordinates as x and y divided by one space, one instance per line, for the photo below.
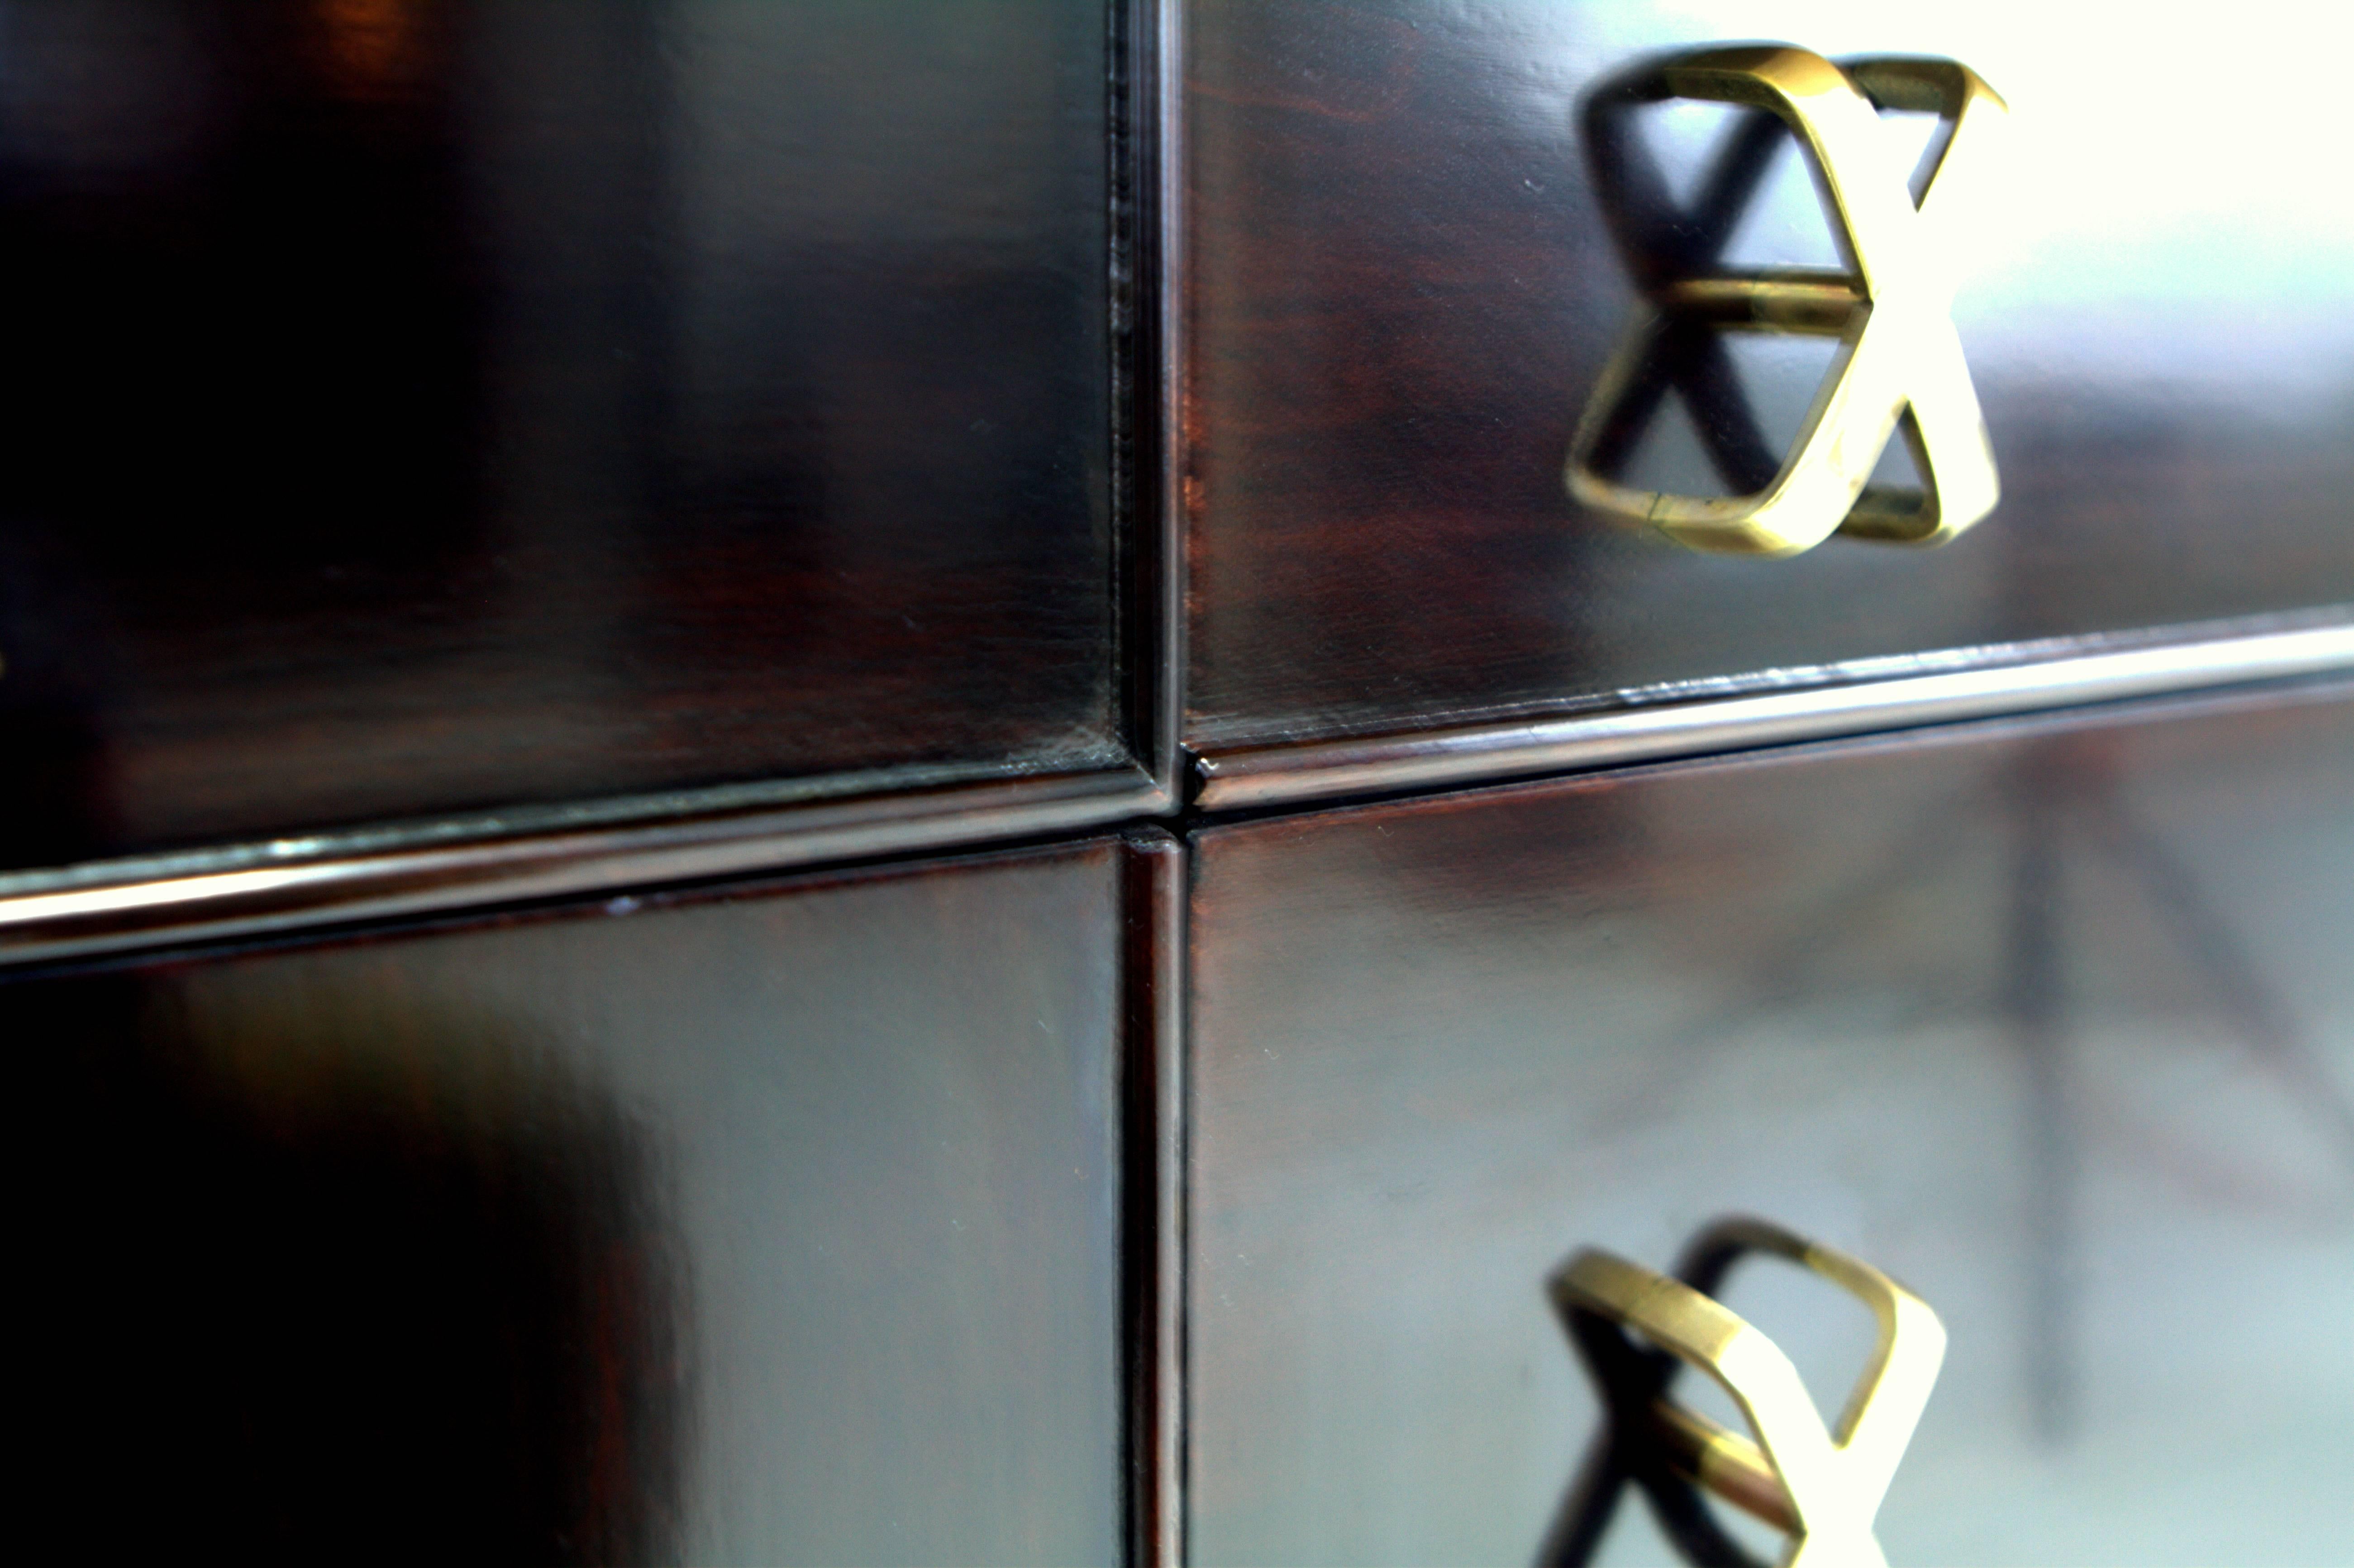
778 1229
429 409
2056 1028
1403 292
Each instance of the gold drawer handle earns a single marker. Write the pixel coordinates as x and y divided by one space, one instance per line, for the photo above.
1898 364
1821 1487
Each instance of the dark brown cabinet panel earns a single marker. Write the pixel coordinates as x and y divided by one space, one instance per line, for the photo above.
779 1227
433 407
2055 1026
1403 291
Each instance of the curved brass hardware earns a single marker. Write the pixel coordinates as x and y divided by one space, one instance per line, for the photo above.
1822 1488
1899 363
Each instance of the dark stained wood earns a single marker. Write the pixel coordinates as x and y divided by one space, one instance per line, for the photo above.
2057 1028
1152 1085
777 1228
427 406
1402 293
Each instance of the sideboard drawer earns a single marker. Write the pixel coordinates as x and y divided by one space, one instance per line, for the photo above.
777 1227
2056 1028
428 409
1404 291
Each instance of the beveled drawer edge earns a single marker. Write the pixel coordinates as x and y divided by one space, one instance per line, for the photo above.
1154 1340
2193 658
251 891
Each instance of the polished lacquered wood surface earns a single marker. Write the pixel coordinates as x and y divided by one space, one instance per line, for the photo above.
431 407
779 1227
2054 1026
1402 291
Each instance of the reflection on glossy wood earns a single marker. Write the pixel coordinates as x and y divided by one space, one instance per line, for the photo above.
2054 1028
772 1229
438 406
1404 293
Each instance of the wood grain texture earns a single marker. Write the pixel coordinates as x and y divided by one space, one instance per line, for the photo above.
429 408
1402 291
779 1227
2055 1028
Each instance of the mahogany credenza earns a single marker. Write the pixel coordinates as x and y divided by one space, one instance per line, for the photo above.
839 783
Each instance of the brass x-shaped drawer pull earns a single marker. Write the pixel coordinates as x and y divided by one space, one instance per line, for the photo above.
1823 1487
1899 361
